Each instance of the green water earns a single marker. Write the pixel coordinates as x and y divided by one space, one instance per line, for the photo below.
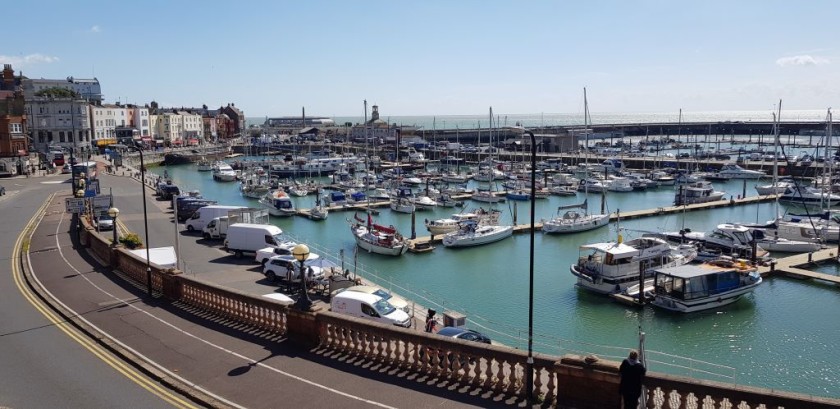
786 335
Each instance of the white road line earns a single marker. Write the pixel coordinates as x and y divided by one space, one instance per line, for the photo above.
250 361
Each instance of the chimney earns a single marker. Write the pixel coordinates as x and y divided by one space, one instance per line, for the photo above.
8 78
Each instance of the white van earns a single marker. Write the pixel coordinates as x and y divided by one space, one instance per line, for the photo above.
250 237
218 227
369 306
202 216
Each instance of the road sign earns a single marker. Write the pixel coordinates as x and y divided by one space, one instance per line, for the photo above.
74 204
102 202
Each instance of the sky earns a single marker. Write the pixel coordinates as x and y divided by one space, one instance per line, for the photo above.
270 58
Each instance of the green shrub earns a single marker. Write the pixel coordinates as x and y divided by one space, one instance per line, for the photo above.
131 240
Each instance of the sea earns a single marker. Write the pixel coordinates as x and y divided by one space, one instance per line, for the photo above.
430 122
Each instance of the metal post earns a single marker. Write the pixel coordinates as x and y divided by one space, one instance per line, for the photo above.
529 368
116 235
145 223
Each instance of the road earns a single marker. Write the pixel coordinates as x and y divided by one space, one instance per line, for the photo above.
43 365
206 355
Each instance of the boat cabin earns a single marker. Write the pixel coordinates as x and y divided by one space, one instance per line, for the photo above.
689 282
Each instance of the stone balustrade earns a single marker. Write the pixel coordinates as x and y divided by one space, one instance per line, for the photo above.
497 371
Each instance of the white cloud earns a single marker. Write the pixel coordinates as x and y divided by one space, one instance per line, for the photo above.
801 60
22 61
95 29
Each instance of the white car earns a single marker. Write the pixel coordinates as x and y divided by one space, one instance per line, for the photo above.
394 300
264 254
285 267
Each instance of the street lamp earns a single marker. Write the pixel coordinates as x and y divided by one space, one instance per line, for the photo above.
114 212
529 367
301 253
145 221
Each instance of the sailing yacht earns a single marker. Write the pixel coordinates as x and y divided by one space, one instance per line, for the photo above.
573 221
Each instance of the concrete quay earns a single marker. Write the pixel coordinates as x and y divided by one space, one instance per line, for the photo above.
792 266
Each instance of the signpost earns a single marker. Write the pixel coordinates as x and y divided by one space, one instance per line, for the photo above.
101 203
74 204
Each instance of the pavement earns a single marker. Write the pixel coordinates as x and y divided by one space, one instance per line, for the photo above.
210 360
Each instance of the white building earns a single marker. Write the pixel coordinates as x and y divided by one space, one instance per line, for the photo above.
177 128
58 122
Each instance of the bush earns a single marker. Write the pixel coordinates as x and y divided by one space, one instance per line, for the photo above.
131 240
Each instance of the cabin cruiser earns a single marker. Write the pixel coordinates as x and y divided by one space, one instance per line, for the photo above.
775 188
204 165
697 192
736 172
486 196
692 288
443 226
222 172
376 238
470 233
725 240
572 221
611 267
662 178
799 194
619 184
278 203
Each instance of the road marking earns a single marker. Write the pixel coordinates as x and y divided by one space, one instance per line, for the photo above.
52 182
73 333
250 361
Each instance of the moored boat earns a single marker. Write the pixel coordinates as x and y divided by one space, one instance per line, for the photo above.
572 221
693 288
376 238
610 267
470 233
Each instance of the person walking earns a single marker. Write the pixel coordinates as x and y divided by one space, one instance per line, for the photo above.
632 374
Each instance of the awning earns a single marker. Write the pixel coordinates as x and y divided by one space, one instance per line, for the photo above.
193 141
21 152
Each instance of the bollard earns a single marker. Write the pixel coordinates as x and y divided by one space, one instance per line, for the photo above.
810 256
772 266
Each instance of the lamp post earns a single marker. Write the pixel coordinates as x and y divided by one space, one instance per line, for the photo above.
145 222
529 367
301 253
114 212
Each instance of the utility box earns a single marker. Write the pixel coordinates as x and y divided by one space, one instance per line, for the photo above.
454 319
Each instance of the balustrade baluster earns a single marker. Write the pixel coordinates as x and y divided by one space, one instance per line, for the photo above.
512 379
551 392
538 373
488 374
476 381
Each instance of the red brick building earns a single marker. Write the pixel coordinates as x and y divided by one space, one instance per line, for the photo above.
13 129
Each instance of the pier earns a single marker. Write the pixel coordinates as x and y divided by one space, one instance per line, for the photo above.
635 214
791 266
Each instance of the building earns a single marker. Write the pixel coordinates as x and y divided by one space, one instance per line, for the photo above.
86 89
59 122
13 126
177 128
374 129
238 118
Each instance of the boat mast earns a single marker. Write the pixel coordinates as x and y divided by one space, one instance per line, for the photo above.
776 142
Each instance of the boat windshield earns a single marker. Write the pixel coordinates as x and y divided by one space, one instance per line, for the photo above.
383 307
743 237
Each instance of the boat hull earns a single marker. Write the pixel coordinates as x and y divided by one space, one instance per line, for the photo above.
584 224
468 240
704 303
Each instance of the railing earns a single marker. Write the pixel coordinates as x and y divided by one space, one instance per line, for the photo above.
568 381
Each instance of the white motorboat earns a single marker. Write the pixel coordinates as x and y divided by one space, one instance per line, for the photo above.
470 233
222 172
697 192
592 185
775 188
278 203
662 178
771 242
807 195
619 184
453 178
379 195
378 239
572 221
204 165
424 203
736 172
481 216
726 240
562 190
611 267
693 288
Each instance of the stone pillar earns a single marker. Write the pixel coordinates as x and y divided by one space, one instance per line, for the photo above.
172 286
583 384
302 327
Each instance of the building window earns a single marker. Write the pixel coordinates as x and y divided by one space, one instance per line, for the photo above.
15 128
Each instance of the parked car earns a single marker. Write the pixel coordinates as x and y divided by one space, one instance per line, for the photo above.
465 334
66 168
285 267
396 301
103 222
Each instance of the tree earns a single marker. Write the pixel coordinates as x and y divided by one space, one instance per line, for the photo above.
57 92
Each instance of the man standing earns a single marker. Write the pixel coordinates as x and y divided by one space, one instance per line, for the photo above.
632 374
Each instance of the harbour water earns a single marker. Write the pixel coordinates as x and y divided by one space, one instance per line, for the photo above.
785 335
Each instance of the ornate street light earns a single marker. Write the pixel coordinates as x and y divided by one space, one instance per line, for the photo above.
301 253
114 212
529 367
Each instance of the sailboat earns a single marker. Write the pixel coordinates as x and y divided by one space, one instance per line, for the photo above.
377 239
573 221
319 212
487 174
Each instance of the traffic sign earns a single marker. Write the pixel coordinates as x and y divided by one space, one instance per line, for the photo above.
102 202
74 204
